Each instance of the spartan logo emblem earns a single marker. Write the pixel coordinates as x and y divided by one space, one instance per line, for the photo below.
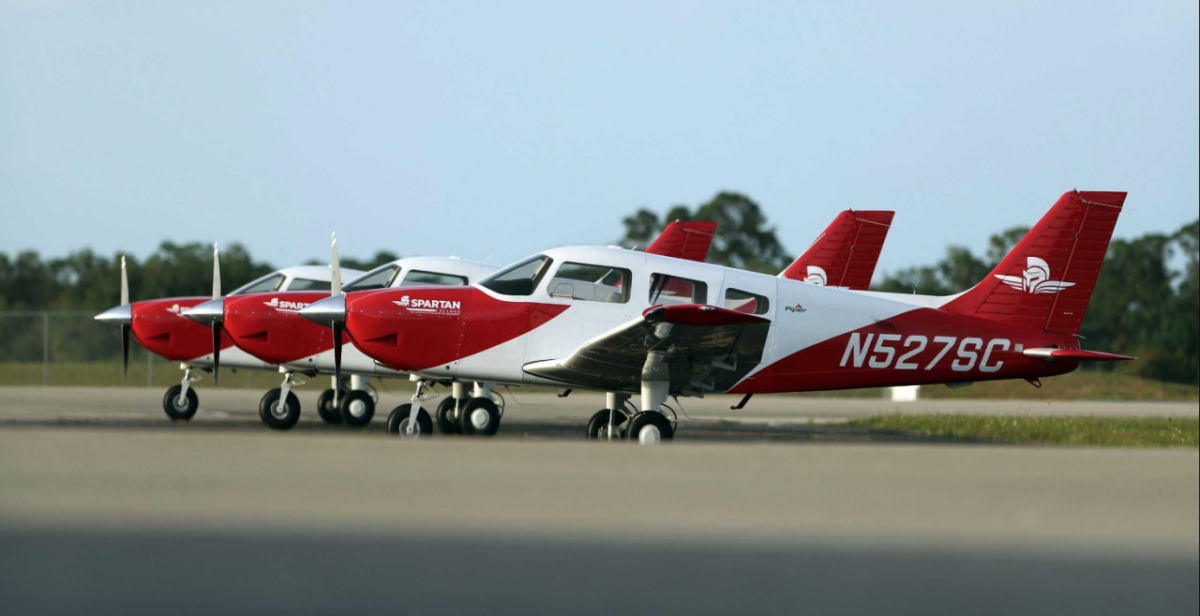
176 310
817 276
403 303
1035 280
430 306
284 306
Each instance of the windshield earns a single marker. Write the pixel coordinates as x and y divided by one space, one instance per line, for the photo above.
518 279
266 284
377 278
305 284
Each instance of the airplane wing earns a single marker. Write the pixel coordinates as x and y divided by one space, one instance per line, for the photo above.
684 240
696 348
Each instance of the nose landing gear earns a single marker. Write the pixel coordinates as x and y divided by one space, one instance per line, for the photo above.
410 420
181 402
280 408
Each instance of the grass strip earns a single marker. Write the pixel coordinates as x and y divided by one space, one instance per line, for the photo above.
1073 431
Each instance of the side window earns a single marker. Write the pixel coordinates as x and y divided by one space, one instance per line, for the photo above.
591 283
265 284
670 290
520 278
416 278
304 284
743 301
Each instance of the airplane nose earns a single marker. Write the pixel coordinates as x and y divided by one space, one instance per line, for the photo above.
120 315
327 311
212 311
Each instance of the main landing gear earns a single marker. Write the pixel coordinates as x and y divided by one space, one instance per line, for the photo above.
621 421
181 402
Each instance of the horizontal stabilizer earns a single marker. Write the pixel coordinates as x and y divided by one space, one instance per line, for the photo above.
1076 355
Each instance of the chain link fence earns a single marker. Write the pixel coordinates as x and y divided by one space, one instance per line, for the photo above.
70 348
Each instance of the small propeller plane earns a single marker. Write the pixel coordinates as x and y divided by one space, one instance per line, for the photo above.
633 324
160 327
266 326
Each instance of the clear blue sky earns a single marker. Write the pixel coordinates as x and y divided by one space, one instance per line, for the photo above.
501 128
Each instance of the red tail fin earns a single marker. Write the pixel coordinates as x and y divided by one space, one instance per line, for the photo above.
684 240
1047 280
844 255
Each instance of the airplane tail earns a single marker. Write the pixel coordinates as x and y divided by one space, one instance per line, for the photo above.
844 255
1047 280
684 240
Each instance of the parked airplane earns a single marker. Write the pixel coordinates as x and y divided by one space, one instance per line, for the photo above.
160 327
846 253
629 323
266 326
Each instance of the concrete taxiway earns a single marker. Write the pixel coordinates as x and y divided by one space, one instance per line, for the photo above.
106 506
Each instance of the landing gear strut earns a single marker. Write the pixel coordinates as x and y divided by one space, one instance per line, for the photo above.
280 408
401 421
181 402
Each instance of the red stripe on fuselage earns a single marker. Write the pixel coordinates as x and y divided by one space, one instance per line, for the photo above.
160 327
267 326
419 328
912 339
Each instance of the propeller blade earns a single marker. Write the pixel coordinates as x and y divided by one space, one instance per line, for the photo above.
216 329
124 283
216 273
338 328
335 285
125 347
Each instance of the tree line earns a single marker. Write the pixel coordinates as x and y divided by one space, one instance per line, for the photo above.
1146 303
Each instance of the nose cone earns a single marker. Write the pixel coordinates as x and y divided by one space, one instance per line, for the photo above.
327 311
207 313
121 315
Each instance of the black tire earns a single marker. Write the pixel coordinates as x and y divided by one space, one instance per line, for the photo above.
447 421
647 420
325 408
400 416
599 423
480 417
357 401
275 418
180 410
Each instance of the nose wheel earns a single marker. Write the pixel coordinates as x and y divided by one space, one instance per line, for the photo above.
180 405
180 402
277 412
401 418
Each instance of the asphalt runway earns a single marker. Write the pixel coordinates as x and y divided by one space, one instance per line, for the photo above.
107 507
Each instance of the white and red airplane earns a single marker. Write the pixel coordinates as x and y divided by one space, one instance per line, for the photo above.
629 323
160 327
266 326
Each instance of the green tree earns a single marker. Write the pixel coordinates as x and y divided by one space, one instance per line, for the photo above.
744 239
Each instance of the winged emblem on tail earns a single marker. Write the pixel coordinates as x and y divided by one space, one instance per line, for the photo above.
1035 280
817 276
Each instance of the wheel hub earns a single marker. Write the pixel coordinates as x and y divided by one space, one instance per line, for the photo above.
180 403
649 435
480 419
402 428
358 408
279 410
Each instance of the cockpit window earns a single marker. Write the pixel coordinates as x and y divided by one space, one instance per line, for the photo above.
592 283
304 284
377 278
266 284
518 279
417 278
